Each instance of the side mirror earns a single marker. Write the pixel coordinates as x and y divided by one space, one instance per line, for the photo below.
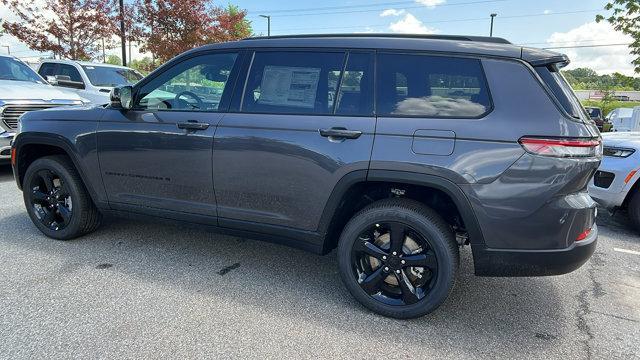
122 97
65 81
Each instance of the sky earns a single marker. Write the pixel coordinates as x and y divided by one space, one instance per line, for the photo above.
541 23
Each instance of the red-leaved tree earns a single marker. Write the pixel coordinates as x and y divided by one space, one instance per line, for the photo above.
68 28
167 28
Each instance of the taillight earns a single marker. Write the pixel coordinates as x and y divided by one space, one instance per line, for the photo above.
562 147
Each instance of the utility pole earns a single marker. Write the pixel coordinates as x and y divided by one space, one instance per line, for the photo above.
104 55
491 30
268 17
122 34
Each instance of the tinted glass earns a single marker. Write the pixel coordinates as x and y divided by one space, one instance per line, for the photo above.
70 71
356 87
111 76
431 86
12 69
47 69
561 90
293 82
196 84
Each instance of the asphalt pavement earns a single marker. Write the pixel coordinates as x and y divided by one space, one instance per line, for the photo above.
154 290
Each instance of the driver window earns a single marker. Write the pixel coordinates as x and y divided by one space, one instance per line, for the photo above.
196 84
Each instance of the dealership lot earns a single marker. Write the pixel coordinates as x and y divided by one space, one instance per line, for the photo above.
156 290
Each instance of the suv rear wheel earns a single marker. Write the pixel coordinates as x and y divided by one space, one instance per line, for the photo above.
56 199
398 258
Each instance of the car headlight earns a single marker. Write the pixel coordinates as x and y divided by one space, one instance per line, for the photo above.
618 152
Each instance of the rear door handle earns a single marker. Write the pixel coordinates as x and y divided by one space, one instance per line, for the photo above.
340 133
193 125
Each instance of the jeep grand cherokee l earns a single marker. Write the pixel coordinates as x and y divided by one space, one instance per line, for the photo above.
394 150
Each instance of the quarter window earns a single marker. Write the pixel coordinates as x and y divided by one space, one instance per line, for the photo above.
431 86
293 82
197 84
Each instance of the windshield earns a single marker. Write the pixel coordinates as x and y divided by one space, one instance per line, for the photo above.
12 69
111 76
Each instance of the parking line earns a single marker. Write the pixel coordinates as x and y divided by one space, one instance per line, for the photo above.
627 251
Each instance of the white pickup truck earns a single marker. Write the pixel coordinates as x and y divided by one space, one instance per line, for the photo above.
22 90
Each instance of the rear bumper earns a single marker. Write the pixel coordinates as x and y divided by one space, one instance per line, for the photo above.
509 262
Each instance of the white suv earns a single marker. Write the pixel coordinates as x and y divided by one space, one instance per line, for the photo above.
22 90
92 81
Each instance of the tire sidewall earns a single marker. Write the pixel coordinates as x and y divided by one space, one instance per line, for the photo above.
447 262
60 170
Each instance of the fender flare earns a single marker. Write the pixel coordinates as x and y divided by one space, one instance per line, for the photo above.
403 177
39 138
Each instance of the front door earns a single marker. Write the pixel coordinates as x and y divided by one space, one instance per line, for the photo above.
304 122
158 155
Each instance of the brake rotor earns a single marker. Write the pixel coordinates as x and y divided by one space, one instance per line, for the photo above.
409 246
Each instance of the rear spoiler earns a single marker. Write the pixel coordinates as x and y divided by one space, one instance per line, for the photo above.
541 57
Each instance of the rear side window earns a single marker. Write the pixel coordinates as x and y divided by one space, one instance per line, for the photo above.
70 71
293 82
431 86
47 69
561 90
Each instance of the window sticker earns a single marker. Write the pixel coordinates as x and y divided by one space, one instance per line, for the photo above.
289 86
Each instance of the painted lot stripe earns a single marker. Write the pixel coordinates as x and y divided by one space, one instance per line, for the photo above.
627 251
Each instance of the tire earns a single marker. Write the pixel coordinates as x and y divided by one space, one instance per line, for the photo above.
46 202
633 209
419 225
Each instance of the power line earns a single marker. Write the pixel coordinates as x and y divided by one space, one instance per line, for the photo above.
583 46
372 10
440 21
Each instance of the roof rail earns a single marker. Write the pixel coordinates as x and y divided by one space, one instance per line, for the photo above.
496 40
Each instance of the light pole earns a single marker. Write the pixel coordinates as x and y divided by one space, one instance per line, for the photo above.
491 30
268 17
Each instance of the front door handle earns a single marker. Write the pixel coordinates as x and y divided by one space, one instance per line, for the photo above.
193 125
340 133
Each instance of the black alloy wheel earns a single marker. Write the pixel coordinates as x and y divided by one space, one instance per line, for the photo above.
51 200
394 264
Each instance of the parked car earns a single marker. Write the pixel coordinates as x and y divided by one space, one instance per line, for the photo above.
21 90
92 81
614 185
625 119
595 113
273 138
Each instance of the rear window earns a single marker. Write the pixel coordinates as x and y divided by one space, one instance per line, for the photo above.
431 86
561 89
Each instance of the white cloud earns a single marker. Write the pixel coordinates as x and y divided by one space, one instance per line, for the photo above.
604 60
547 12
409 24
392 12
431 3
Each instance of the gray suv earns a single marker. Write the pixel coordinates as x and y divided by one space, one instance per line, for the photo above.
395 151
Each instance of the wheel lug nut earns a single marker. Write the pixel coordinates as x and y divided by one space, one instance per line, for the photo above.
395 253
384 258
397 271
403 262
386 268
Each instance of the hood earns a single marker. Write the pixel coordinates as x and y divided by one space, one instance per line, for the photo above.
622 139
25 90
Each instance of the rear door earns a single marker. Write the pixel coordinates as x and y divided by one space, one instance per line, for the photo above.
304 120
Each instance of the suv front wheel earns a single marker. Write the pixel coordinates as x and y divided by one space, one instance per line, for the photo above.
56 199
398 258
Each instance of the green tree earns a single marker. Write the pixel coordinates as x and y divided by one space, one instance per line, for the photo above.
144 65
114 60
625 17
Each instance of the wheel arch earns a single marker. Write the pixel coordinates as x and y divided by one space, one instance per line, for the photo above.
348 188
32 146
